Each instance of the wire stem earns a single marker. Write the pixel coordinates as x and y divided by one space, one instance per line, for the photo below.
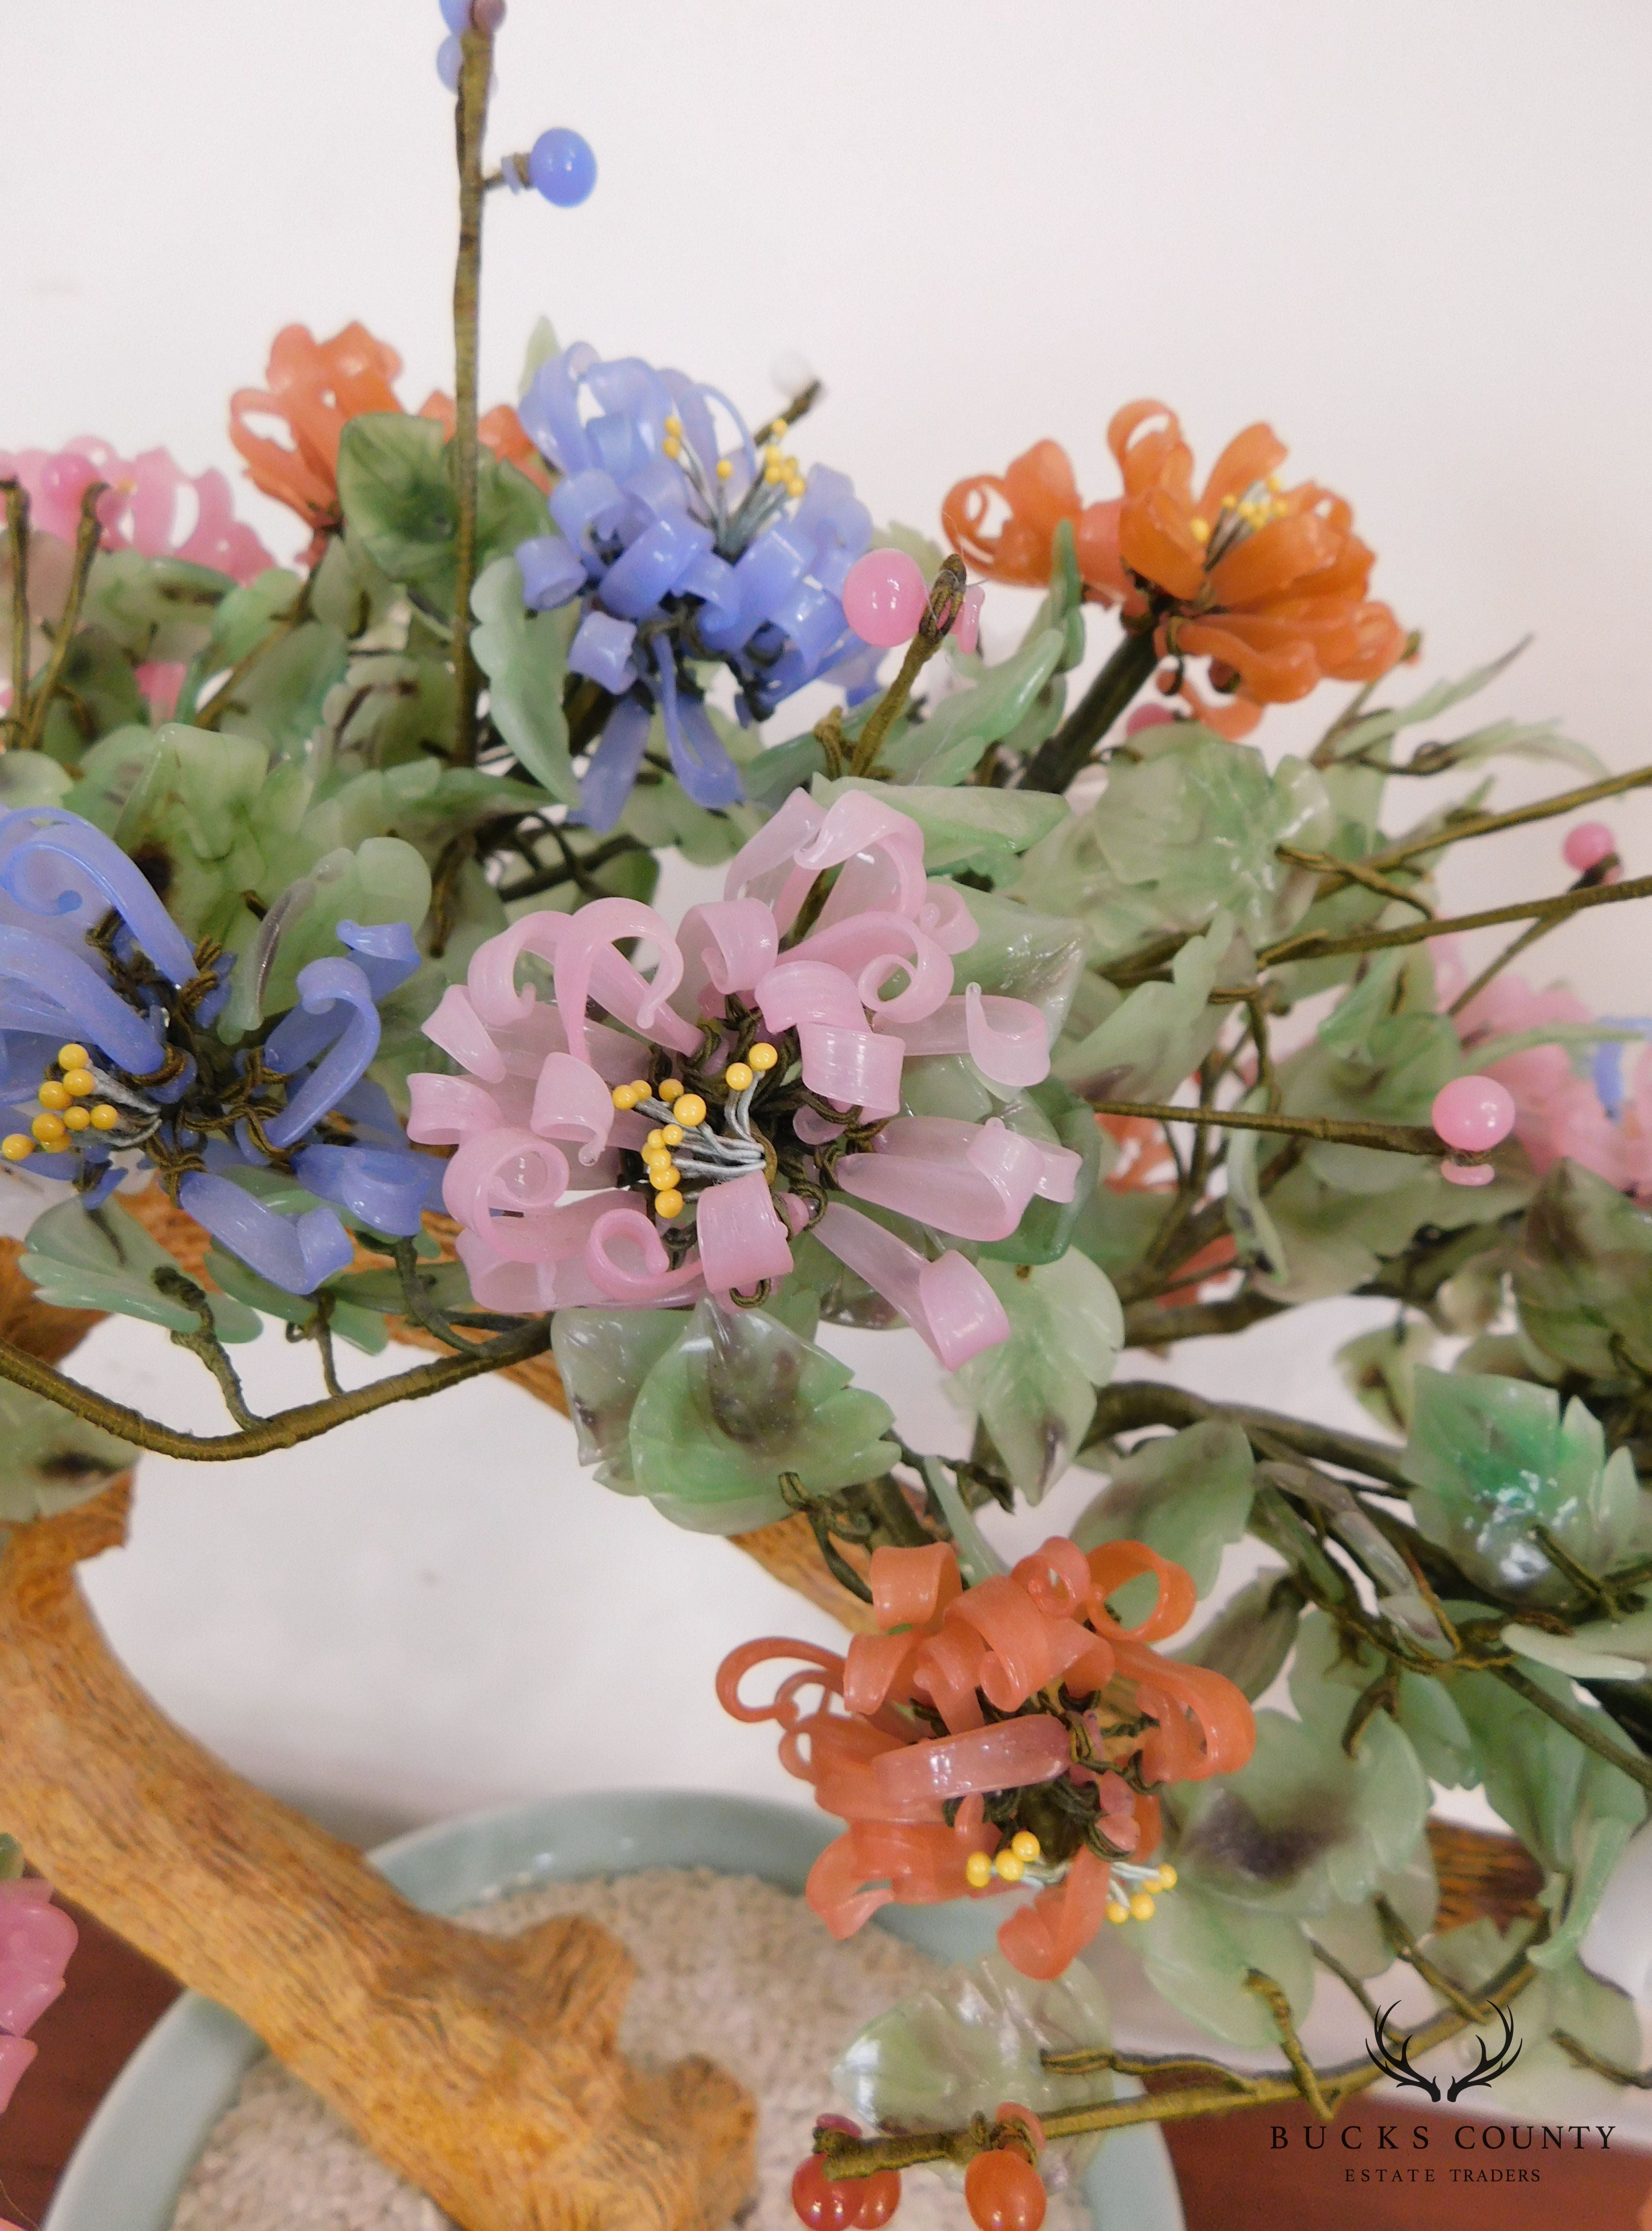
471 116
1318 945
87 535
17 535
288 1429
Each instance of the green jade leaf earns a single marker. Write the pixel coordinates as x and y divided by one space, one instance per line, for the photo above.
736 1402
1035 1393
104 1260
1494 1457
1187 1495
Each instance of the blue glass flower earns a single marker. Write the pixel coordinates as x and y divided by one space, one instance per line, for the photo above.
92 966
683 551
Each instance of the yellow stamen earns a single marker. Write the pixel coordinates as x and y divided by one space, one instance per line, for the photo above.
1009 1868
17 1147
667 1204
977 1868
672 1089
654 1139
1142 1907
796 486
640 1088
1026 1846
53 1095
663 1176
49 1130
673 425
725 469
737 1077
1200 530
76 1118
671 1136
623 1096
73 1056
690 1111
1168 1877
763 1056
79 1081
672 447
104 1118
1116 1911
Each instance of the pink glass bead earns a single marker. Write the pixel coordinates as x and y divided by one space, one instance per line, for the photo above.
1587 845
883 597
1147 716
1474 1114
966 629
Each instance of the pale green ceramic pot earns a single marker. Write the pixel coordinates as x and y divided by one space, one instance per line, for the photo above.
130 2167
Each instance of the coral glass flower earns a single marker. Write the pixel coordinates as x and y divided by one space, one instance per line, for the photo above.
747 1091
315 389
1010 1731
1268 583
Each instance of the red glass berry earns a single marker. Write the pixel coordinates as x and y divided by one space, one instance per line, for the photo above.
1005 2192
880 2195
819 2201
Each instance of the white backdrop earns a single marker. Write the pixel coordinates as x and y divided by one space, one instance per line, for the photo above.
1412 237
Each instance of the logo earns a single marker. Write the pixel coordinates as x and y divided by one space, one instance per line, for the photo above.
1395 2059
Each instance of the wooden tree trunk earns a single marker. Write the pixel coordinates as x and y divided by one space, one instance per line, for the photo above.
484 2070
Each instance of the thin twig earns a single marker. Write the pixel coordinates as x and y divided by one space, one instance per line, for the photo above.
1488 825
1494 968
288 1429
1329 1960
471 116
1302 2068
1337 872
223 698
1386 1138
203 1342
843 2156
946 592
17 535
1405 1947
1320 945
87 536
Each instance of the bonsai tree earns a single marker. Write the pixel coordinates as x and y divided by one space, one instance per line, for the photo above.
1048 1024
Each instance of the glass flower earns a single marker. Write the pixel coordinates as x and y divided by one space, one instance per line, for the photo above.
152 505
109 1061
1597 1117
746 1092
1000 1733
682 552
1266 583
37 1942
315 389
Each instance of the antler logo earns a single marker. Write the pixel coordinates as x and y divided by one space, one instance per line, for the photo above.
1491 2065
1395 2062
1393 2057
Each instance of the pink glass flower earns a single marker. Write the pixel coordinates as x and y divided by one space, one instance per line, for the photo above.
1558 1114
36 1939
152 505
730 1099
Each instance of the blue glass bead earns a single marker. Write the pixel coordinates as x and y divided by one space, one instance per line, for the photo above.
456 14
562 167
449 60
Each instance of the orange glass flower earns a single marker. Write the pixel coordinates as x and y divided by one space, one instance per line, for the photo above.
1268 583
315 389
